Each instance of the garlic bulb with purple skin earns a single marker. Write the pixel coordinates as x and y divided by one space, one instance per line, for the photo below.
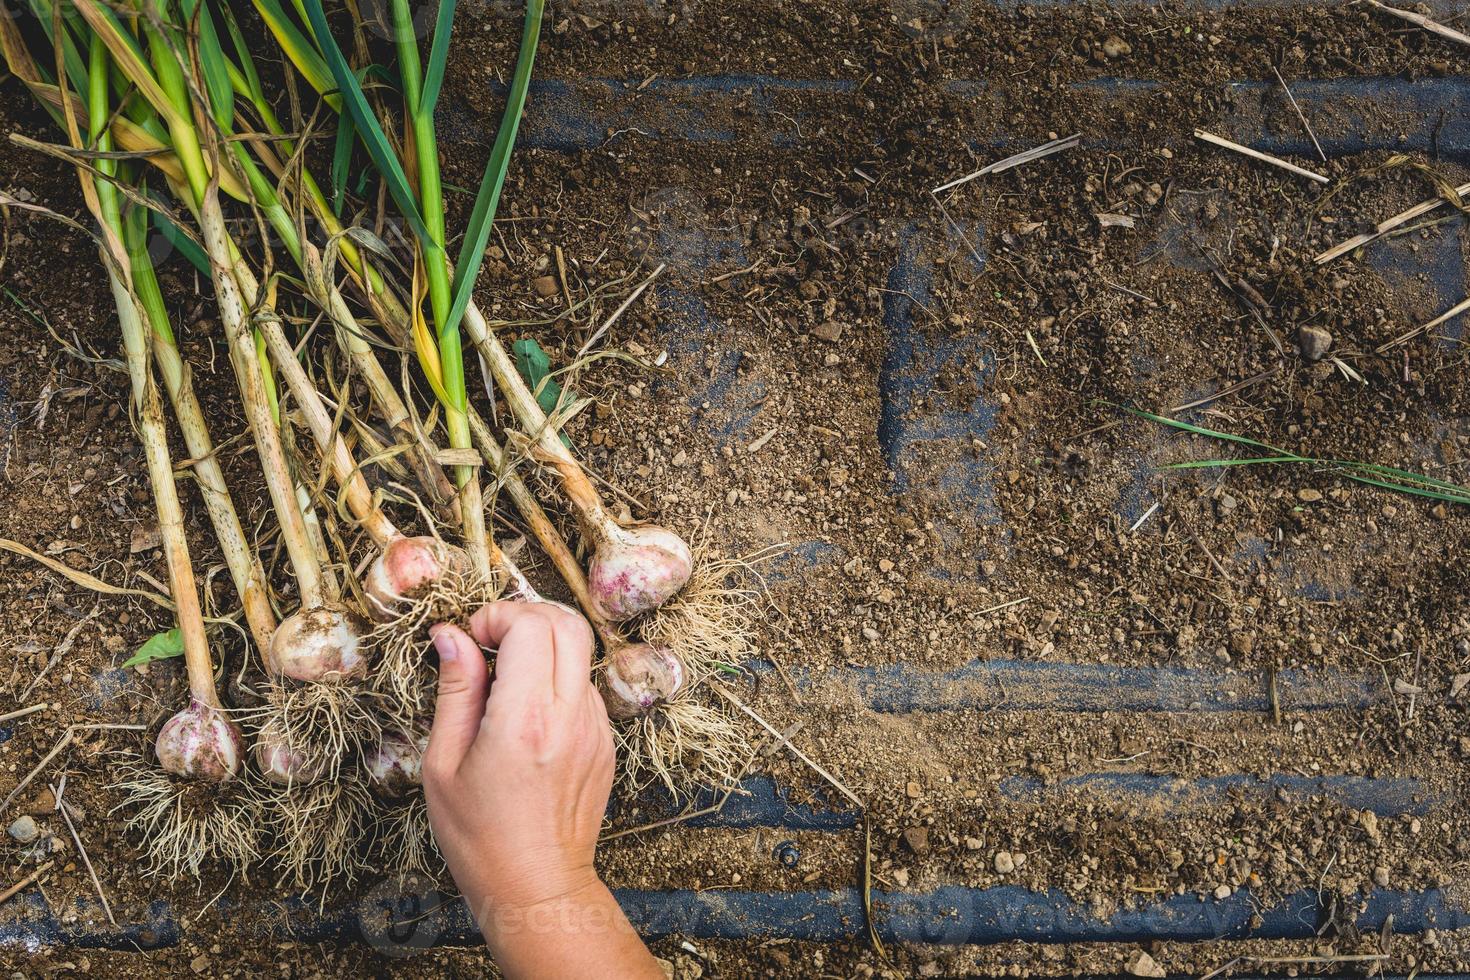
406 566
279 763
200 743
321 644
396 764
636 677
637 569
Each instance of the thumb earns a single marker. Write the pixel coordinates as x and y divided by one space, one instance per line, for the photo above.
463 680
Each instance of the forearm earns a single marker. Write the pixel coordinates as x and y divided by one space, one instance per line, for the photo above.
582 934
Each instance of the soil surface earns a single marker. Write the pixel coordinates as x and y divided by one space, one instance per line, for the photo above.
910 403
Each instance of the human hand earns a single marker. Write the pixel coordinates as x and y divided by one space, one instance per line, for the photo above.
518 771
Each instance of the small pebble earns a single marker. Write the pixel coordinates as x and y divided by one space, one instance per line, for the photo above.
545 286
913 790
1223 892
828 330
1380 876
1116 47
1313 342
24 830
1140 964
1004 863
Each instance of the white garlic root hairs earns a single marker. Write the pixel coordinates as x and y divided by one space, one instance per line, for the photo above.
402 645
633 569
685 746
710 625
673 734
312 731
403 843
315 819
318 833
186 824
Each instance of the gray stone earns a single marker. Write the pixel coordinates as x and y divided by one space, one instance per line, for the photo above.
1313 342
24 830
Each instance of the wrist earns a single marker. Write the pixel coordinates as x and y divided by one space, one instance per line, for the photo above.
578 906
531 892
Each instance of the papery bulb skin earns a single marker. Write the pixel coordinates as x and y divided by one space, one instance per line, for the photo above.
637 677
200 742
637 569
396 764
279 763
318 645
405 567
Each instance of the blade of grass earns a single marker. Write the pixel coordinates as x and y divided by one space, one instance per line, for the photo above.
1431 494
1198 430
482 217
1391 471
1373 474
1204 464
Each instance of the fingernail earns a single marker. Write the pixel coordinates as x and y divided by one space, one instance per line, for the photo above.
444 643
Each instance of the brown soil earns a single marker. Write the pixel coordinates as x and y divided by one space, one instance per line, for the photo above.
788 244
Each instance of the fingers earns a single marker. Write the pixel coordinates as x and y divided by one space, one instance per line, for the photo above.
543 647
525 660
574 659
460 704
